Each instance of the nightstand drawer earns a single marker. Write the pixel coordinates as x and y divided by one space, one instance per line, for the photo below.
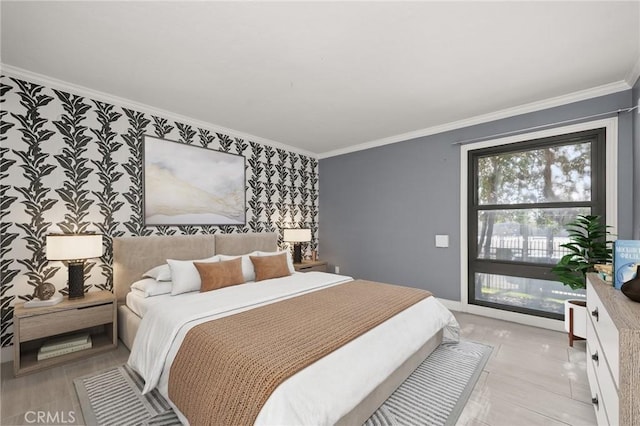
311 265
318 268
46 325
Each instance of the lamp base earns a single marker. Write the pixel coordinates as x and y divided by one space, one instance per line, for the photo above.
76 280
297 253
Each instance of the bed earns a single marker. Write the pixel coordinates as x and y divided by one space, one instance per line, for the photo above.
376 362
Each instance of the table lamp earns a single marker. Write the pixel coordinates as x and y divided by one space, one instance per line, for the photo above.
74 249
297 236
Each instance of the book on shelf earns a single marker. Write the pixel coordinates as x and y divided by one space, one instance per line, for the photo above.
63 342
626 259
63 351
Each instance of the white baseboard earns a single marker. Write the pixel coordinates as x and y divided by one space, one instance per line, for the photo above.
547 323
453 305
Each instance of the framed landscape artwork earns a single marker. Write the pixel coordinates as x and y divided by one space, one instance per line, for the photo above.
189 185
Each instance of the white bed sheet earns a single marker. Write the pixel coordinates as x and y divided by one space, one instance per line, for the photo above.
140 305
319 394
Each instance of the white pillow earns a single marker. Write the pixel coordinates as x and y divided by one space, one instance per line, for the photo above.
160 273
185 276
248 272
137 292
275 253
151 287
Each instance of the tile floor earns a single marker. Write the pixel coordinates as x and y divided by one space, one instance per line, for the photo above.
50 390
531 378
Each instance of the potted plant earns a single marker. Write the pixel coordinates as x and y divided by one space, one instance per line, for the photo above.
588 247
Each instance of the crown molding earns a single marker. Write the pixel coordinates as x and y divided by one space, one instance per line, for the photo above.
137 106
634 74
603 90
581 95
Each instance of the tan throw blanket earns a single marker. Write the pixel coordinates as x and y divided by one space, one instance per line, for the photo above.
226 369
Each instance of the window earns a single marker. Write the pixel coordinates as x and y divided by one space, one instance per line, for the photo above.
520 196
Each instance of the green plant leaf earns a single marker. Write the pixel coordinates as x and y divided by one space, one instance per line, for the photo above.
588 245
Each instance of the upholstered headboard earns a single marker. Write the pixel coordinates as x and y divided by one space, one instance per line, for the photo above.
133 256
236 244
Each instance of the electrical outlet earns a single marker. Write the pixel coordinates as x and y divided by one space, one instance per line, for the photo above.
337 269
442 241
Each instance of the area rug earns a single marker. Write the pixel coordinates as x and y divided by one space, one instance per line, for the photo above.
434 394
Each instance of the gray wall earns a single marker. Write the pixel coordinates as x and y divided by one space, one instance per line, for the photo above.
381 208
636 162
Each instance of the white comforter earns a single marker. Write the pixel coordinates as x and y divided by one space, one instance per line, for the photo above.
319 394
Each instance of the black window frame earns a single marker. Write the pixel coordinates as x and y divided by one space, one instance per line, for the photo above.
518 268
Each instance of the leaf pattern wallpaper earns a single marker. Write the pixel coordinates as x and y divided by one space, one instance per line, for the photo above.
73 164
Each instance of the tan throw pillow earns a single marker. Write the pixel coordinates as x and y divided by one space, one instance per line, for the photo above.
270 266
220 274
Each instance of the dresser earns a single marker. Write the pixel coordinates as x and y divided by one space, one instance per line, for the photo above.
613 354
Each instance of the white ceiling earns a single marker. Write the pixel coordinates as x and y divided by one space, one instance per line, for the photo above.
327 76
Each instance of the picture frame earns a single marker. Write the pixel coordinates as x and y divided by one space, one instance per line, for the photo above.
190 185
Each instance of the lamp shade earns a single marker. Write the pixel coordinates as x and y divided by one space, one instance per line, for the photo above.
297 235
73 246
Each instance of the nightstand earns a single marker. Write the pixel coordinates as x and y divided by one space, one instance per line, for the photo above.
311 265
94 313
